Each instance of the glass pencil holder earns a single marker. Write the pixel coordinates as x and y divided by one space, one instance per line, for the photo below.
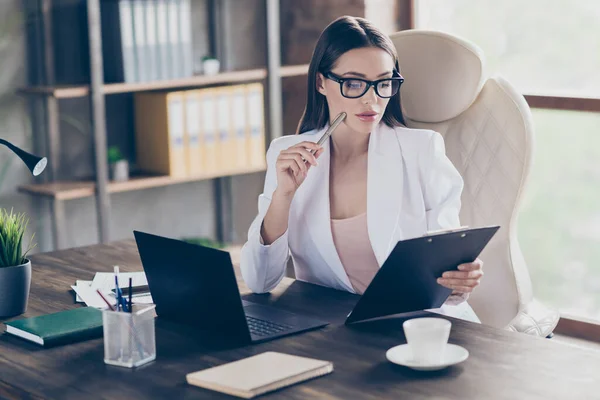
129 337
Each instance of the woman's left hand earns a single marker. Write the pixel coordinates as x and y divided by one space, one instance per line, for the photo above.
465 279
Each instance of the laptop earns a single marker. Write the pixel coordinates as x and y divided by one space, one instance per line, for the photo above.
196 285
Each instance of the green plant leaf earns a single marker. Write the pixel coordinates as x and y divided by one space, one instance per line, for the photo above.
114 154
3 255
12 230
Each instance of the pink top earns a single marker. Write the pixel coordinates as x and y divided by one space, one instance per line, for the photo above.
351 239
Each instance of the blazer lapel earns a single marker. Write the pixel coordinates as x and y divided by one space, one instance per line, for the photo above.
385 179
384 190
317 214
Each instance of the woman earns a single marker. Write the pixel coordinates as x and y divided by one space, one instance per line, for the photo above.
339 209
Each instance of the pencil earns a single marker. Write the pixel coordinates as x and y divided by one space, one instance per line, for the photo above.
105 300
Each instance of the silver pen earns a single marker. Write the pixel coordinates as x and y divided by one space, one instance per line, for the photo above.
338 120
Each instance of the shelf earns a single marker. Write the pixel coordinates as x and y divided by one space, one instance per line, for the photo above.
59 92
200 80
294 70
70 92
81 189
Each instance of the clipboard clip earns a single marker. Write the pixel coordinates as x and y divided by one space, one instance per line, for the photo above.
449 230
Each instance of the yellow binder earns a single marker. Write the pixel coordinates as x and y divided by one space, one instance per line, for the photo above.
240 126
224 122
160 143
192 129
256 143
210 141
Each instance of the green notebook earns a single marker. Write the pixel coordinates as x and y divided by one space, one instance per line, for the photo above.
59 328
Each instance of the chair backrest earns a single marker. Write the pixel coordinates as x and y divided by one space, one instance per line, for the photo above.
488 133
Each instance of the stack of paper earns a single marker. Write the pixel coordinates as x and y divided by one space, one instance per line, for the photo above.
105 282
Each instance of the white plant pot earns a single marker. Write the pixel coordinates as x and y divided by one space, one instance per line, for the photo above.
211 67
119 171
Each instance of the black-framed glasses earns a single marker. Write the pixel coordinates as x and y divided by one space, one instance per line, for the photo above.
353 88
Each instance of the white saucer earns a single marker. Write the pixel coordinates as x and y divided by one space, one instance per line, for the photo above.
401 355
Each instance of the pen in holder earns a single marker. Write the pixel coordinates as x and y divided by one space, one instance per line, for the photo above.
129 337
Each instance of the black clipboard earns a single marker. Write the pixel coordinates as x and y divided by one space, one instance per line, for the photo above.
407 281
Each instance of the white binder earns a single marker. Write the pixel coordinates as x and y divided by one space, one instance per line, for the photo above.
185 35
139 26
162 29
151 63
127 42
174 40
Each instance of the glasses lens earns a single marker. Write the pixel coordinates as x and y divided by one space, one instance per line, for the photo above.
388 87
353 88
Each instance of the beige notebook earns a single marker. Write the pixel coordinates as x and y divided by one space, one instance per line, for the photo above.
259 374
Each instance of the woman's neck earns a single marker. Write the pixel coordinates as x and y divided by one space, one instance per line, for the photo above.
347 144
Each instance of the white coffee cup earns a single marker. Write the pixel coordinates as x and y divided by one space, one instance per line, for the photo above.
427 338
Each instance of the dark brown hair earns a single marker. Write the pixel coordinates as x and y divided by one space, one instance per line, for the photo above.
342 35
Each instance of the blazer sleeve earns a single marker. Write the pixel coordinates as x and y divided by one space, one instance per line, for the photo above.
442 191
263 266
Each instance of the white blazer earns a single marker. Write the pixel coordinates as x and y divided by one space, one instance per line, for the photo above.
412 187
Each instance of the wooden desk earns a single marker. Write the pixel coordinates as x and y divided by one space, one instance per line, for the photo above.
502 365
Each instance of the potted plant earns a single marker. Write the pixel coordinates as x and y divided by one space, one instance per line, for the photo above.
210 65
118 165
15 267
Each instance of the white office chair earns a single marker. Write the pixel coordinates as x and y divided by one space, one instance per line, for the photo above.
488 131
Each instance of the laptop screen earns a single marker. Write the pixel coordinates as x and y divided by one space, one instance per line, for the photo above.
192 284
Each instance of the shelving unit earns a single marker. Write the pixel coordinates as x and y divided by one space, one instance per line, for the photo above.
59 191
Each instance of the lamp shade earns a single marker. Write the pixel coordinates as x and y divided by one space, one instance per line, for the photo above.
35 164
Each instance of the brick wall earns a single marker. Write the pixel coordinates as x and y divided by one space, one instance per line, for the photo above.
301 24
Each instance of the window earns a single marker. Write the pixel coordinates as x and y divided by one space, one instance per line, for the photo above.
540 46
559 224
547 48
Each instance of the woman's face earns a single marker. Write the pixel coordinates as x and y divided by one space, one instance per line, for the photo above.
363 113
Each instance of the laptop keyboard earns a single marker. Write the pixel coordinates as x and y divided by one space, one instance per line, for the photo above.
260 327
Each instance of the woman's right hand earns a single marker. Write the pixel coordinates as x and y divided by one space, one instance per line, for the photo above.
291 168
